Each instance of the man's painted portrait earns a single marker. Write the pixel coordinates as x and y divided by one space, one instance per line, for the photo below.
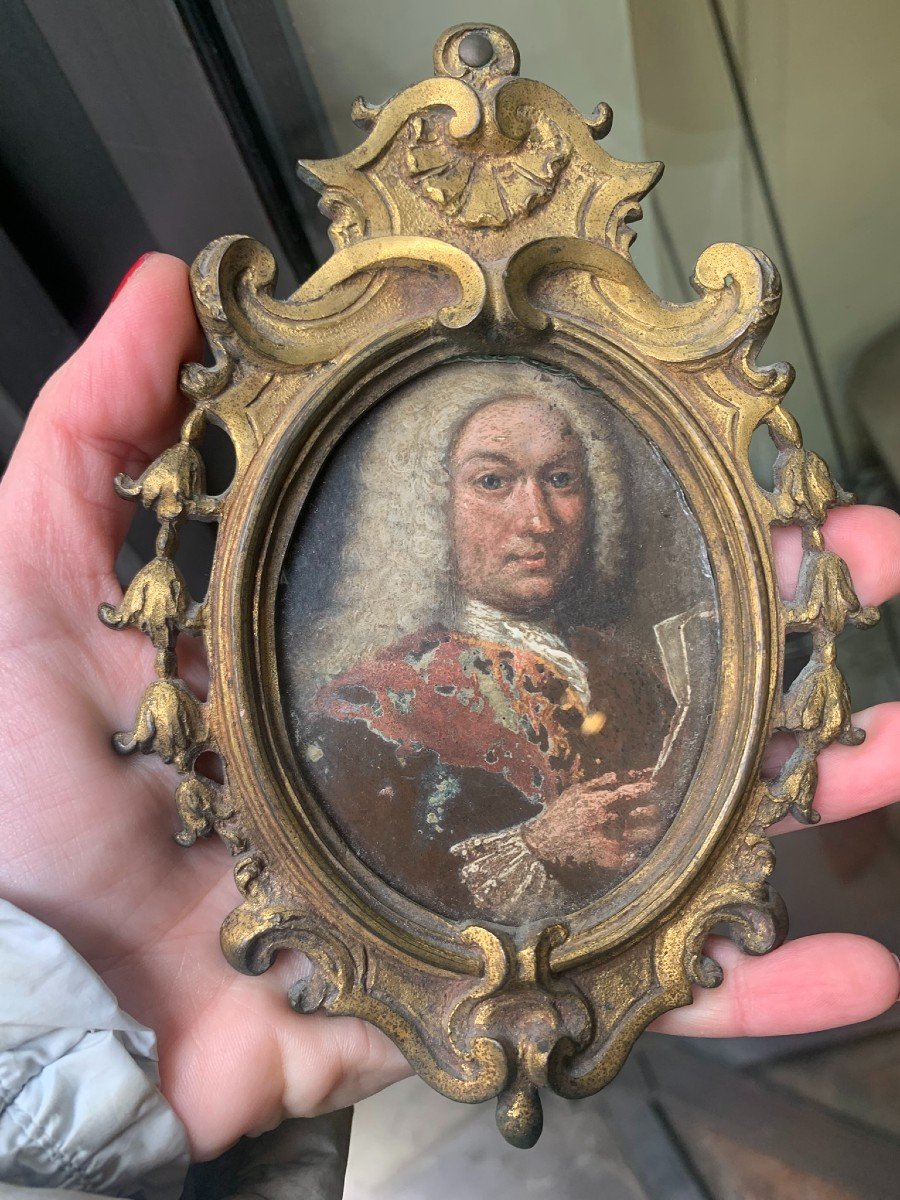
498 642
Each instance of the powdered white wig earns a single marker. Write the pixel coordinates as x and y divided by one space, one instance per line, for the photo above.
395 568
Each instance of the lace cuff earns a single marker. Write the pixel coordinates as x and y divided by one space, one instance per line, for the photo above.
502 873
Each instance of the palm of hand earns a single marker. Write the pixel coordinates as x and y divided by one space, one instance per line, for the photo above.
95 857
88 836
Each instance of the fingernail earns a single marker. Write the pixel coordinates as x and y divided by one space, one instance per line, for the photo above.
132 270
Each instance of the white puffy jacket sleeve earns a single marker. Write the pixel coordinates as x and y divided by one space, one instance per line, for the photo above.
80 1108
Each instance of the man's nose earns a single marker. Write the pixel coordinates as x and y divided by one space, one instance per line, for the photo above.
533 510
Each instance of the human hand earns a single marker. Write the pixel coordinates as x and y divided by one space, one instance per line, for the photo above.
603 822
828 979
88 836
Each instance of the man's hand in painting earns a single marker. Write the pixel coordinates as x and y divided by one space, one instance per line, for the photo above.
607 822
87 836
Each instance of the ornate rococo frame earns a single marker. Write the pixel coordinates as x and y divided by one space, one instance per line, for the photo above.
480 217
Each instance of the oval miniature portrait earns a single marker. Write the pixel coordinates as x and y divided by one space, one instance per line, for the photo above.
498 642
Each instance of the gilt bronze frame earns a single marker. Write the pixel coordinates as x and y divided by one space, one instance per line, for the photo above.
480 216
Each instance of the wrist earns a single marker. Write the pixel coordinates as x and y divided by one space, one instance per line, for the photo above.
534 835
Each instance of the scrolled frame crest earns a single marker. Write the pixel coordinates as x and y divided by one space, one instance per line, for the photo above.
480 218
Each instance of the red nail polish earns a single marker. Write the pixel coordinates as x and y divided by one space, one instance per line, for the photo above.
128 274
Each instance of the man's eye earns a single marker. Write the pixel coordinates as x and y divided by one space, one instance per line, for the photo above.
562 479
491 482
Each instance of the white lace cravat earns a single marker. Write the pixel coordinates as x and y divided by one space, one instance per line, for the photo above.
481 621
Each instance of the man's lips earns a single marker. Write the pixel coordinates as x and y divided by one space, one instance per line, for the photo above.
532 560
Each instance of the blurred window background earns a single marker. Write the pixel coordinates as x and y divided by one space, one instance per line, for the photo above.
161 124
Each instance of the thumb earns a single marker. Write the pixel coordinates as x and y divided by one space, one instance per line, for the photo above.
112 407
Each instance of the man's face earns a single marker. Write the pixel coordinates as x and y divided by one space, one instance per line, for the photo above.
519 505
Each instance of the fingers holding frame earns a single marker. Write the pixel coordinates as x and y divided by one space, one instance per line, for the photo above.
813 983
858 779
866 537
852 778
